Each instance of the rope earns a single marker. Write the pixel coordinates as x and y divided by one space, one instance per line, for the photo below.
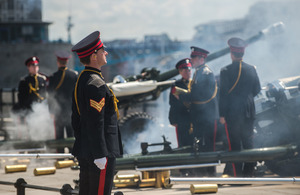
115 103
238 78
36 88
212 97
190 85
61 79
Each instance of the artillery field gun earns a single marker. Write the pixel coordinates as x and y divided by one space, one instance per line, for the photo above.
148 86
278 121
276 139
278 102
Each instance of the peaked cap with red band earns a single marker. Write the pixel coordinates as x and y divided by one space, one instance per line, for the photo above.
196 51
184 63
32 61
237 45
62 55
88 45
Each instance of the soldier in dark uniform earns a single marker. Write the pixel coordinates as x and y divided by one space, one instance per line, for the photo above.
239 84
202 97
60 90
94 120
179 114
32 88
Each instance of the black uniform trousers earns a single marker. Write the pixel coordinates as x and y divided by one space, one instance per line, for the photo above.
204 131
62 123
183 135
94 181
241 137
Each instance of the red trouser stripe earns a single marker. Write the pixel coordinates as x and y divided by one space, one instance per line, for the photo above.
234 171
215 135
177 135
229 146
102 181
54 128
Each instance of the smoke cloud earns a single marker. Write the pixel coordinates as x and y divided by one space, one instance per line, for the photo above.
36 125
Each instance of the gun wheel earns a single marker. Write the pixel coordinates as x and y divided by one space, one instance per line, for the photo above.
132 127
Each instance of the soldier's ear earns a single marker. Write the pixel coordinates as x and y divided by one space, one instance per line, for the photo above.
93 57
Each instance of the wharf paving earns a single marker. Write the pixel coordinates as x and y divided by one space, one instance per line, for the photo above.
66 176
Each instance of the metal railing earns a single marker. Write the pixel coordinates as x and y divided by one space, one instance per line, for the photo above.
21 185
235 180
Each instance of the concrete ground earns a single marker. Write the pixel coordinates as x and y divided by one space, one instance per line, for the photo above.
66 176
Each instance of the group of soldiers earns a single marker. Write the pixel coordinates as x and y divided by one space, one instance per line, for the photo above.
200 103
57 89
196 104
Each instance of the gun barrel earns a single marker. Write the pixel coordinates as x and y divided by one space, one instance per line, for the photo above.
291 87
37 145
273 29
250 155
178 167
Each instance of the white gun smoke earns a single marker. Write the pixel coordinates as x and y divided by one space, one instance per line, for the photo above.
36 125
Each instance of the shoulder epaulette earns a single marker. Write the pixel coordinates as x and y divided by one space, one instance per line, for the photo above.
42 76
23 78
225 67
72 71
95 80
75 72
206 70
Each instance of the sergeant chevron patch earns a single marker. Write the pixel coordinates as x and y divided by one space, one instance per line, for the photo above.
97 105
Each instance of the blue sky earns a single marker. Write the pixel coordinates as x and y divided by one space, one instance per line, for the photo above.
132 19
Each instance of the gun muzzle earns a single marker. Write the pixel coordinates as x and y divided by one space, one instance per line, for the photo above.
274 29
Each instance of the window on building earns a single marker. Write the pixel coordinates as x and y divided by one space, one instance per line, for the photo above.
10 4
27 30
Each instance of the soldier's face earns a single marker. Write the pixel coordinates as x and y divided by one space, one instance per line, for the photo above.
101 56
197 61
186 73
33 69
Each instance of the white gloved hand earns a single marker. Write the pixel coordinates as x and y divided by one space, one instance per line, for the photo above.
100 162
